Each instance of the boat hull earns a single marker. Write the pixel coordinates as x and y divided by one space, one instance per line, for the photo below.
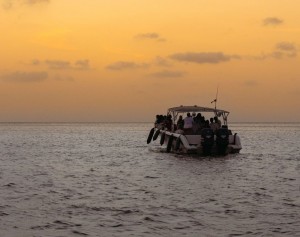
194 144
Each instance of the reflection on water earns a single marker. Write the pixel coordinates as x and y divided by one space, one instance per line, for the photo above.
104 180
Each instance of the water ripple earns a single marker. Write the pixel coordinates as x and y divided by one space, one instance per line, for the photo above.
103 180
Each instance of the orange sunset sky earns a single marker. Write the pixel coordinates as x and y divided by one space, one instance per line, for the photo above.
128 60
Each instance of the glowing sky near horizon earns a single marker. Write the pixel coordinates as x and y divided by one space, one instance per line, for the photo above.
109 60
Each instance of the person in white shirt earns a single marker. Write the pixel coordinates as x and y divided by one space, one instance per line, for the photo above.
188 124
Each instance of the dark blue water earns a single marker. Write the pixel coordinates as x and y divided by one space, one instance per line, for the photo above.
104 180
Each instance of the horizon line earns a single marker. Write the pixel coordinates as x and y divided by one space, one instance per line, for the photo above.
30 122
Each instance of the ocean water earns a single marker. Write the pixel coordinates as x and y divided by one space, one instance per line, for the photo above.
102 179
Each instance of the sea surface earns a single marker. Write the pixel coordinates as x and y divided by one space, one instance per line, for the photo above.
102 179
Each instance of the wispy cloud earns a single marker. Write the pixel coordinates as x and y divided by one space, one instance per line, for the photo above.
286 46
25 77
36 1
286 49
58 64
168 74
82 64
281 50
127 65
122 65
150 36
203 57
273 21
9 4
161 62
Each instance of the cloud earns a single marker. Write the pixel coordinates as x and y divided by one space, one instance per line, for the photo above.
122 65
81 64
286 49
286 46
31 2
150 36
58 64
200 58
282 50
161 62
274 21
126 65
9 4
24 77
168 74
203 57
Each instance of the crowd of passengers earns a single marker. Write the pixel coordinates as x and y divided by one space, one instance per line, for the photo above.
190 125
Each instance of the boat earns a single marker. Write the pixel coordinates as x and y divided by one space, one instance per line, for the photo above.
201 139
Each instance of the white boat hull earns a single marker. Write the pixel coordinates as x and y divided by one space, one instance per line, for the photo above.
193 143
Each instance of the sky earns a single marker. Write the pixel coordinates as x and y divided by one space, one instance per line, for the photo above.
128 60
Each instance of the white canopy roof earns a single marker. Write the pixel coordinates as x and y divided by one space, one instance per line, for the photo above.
195 108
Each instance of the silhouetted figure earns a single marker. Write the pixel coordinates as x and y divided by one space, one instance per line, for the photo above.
213 125
169 122
188 124
180 122
217 121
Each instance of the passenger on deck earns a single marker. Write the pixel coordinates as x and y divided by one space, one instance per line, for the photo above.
217 121
180 122
197 119
194 115
206 125
197 124
163 121
188 124
180 128
202 122
214 126
159 121
169 122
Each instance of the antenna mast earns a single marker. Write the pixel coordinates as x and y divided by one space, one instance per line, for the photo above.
216 99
